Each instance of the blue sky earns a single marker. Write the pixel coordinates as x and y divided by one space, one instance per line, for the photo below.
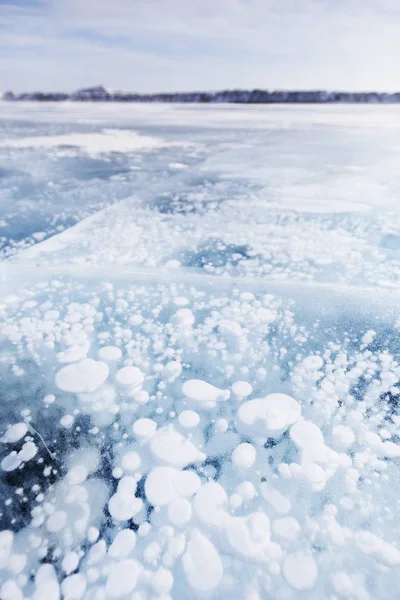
164 45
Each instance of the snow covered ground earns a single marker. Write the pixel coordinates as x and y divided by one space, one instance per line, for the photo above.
200 352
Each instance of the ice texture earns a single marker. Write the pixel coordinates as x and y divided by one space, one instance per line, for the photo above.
200 353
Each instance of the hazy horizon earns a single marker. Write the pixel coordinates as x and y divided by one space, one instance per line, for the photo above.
201 91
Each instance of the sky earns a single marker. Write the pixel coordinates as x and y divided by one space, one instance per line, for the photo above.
179 45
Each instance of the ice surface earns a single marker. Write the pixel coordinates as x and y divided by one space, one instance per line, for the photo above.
293 193
200 372
107 141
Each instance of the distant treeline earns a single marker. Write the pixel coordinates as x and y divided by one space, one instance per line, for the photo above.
101 94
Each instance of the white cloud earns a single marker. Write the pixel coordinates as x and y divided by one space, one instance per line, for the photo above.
150 45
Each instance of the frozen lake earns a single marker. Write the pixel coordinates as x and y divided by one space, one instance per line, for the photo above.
200 352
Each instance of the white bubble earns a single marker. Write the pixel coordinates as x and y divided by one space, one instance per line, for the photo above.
15 433
189 419
300 570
